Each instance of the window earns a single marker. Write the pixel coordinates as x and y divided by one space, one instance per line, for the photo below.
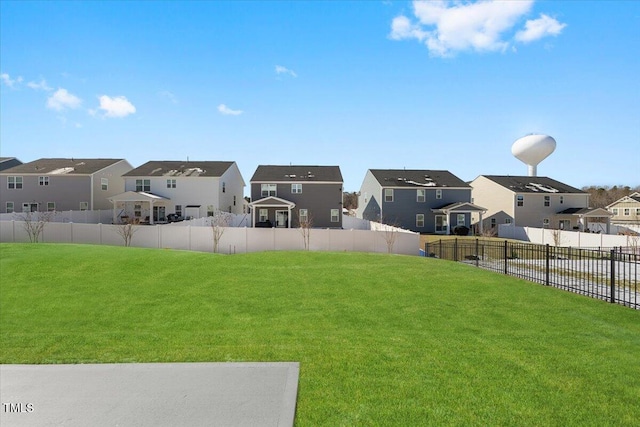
179 210
637 211
561 199
507 220
615 211
493 223
43 180
143 185
14 182
224 187
234 200
303 216
547 200
520 200
104 183
84 206
171 183
296 188
627 211
51 206
269 190
545 223
461 219
9 208
211 210
419 220
335 215
264 215
442 225
421 196
438 194
388 194
137 211
29 207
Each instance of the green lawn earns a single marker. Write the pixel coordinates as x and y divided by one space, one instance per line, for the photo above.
381 339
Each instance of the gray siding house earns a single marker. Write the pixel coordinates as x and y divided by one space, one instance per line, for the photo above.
424 201
62 184
294 196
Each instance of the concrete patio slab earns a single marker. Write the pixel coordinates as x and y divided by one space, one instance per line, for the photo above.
149 394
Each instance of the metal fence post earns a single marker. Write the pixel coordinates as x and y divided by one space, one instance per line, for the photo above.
477 254
505 257
455 249
547 262
613 275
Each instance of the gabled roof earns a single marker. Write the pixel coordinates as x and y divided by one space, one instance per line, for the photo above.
533 184
8 162
271 201
179 168
62 166
597 212
297 173
460 207
417 178
633 197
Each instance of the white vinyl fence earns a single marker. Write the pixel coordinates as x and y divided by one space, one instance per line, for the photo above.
233 240
85 217
574 239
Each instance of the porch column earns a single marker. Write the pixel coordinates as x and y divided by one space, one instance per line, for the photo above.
608 225
113 220
150 212
253 216
289 217
480 226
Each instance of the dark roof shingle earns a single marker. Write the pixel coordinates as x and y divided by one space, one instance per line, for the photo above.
181 168
532 184
273 173
417 178
53 166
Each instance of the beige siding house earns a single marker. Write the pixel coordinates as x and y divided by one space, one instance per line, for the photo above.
62 184
193 189
533 201
626 211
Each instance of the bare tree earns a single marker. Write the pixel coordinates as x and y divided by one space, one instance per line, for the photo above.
219 221
556 234
127 229
305 223
34 223
390 235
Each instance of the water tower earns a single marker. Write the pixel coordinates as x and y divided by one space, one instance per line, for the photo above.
532 149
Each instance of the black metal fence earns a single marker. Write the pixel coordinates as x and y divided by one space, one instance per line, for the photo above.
610 275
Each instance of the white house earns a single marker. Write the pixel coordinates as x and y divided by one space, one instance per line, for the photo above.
185 188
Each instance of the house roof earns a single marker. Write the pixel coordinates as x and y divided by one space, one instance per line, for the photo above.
533 184
271 173
417 178
172 168
600 212
62 166
633 197
460 207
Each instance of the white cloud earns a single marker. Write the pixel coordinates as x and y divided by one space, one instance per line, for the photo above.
62 99
228 111
41 85
284 70
117 106
170 96
8 81
447 27
536 29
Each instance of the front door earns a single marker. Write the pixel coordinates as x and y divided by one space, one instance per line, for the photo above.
159 214
282 218
442 225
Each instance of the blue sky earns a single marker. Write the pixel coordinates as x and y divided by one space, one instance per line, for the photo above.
368 84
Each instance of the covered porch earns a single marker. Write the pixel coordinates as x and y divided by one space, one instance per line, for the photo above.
138 206
465 208
271 212
578 219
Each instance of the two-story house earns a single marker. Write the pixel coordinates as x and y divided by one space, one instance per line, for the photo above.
534 201
424 201
186 188
62 184
295 196
626 211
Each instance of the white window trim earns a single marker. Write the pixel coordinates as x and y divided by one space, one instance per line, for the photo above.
421 194
420 220
85 205
104 184
172 183
267 189
16 181
43 181
438 194
53 208
263 215
6 207
388 192
296 188
335 215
